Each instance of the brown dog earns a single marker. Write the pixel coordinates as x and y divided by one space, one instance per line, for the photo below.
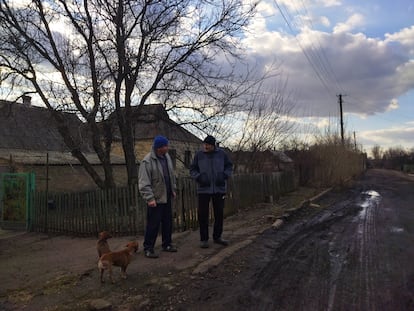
120 259
102 245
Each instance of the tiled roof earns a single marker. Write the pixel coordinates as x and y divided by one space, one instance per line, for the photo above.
33 128
153 120
31 157
28 133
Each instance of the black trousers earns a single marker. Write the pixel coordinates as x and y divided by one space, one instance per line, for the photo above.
203 214
156 216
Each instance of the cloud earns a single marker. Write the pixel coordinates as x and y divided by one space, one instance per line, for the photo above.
356 20
323 20
370 71
405 38
393 105
386 138
329 3
20 3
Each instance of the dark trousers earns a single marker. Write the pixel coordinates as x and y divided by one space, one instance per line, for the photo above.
156 216
203 214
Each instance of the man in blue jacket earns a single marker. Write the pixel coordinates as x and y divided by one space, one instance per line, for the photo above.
211 168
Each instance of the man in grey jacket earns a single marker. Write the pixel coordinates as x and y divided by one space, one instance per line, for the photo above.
211 168
157 186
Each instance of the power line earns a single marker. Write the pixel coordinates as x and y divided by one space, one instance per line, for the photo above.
308 57
315 54
324 59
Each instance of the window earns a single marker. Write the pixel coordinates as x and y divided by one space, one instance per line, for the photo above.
187 158
173 155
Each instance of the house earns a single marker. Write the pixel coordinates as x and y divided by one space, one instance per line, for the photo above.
27 127
34 156
31 142
152 120
268 161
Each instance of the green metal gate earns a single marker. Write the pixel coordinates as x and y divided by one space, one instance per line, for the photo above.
15 200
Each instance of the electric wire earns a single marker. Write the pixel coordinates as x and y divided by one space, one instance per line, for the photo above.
322 56
314 53
308 57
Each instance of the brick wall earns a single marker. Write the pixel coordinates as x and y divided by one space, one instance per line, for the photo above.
66 178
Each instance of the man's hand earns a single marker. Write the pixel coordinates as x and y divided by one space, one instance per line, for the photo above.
152 203
174 195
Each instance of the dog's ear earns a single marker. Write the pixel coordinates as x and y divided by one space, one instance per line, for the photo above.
132 244
104 235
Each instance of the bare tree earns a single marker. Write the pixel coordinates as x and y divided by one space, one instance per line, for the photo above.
265 120
102 57
395 157
262 123
411 152
376 152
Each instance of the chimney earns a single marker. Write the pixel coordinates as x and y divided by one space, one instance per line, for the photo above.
27 100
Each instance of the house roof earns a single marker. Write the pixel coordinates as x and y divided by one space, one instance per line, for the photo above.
30 157
247 155
283 157
27 127
28 133
152 120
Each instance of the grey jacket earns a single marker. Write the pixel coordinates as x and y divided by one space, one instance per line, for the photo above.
211 171
151 181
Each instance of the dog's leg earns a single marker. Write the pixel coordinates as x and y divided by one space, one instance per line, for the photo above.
123 272
102 275
110 273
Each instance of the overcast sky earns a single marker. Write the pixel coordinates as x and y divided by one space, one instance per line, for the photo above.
363 50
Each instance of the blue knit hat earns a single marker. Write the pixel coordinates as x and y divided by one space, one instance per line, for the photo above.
160 141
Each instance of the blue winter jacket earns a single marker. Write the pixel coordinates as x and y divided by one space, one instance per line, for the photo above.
211 171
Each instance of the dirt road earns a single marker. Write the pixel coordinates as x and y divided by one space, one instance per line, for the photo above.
42 272
354 252
357 254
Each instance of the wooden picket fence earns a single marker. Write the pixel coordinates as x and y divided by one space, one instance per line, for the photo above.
122 211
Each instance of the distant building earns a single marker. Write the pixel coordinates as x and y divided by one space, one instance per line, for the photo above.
246 162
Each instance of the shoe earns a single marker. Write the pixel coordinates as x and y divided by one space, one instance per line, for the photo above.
170 249
204 244
150 254
221 241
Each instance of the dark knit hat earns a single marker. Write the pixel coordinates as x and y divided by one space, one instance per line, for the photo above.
160 141
210 140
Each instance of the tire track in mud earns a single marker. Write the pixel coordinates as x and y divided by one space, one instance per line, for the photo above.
373 278
308 264
356 253
313 262
366 238
356 286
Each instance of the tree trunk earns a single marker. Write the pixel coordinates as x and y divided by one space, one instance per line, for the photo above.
125 127
75 149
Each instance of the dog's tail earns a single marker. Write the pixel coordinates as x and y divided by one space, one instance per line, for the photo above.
103 264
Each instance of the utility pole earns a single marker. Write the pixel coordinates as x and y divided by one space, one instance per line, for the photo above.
342 119
355 146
